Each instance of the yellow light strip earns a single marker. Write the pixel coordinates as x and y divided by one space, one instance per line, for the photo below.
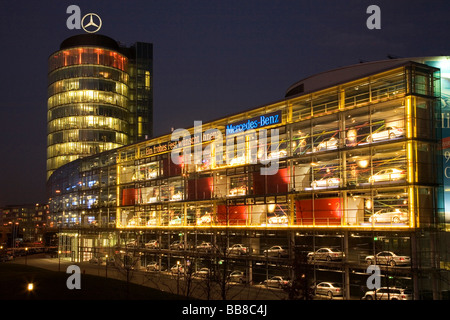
411 206
272 227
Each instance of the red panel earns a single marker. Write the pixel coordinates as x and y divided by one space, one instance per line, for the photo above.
277 183
326 211
170 168
204 188
191 190
200 189
237 215
128 197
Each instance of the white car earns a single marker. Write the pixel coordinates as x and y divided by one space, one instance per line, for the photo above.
205 219
277 154
391 293
202 273
177 269
237 161
277 282
205 246
331 143
153 266
176 221
391 174
330 289
238 249
237 276
389 258
238 191
152 244
326 183
177 196
389 216
278 251
281 219
327 254
390 132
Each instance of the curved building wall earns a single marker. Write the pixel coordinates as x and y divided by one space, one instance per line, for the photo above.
87 103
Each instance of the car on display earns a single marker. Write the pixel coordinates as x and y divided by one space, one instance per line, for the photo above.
177 245
237 160
330 289
238 191
237 249
237 276
153 266
176 221
152 222
277 282
325 183
277 154
132 244
177 269
96 260
389 216
390 132
152 244
331 143
278 251
205 247
177 196
327 254
386 175
278 219
204 219
388 258
389 293
202 273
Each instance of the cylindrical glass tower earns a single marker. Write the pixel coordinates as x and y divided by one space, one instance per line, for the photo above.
88 109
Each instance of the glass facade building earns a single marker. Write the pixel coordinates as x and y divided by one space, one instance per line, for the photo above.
357 170
91 103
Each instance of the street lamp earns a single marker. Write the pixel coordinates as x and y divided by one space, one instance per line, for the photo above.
26 255
59 260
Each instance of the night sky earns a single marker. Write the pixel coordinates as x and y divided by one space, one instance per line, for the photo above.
211 59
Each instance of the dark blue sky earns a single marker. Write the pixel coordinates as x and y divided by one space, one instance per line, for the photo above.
211 59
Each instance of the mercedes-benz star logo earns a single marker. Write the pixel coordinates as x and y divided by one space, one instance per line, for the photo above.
88 26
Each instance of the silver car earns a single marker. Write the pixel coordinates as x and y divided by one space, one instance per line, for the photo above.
237 276
153 266
277 282
326 183
389 133
205 247
278 251
388 216
385 293
386 175
388 258
202 273
329 289
237 249
152 244
332 143
327 254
